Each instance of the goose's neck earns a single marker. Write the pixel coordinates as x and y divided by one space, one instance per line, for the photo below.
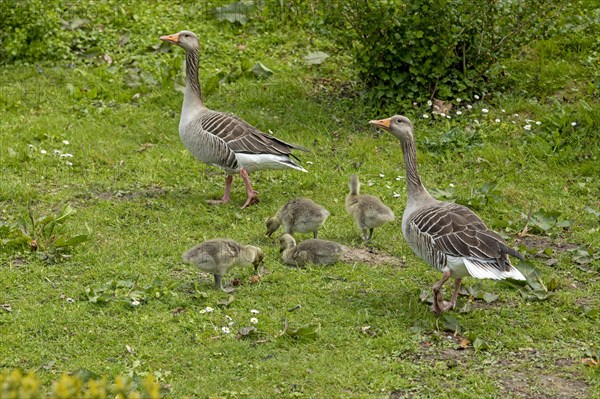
414 187
192 87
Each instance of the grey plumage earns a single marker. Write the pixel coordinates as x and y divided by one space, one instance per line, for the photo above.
221 139
312 251
218 255
367 211
448 236
300 215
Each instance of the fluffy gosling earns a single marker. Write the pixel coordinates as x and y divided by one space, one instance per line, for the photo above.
218 255
367 211
300 215
315 251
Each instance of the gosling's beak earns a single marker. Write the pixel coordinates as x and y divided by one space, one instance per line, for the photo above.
174 38
384 123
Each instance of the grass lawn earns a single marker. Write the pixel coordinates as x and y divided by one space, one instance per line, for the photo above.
140 197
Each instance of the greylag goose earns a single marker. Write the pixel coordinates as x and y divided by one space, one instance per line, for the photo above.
448 236
218 255
300 215
367 211
315 251
224 140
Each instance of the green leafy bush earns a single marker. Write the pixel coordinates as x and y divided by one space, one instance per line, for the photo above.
412 50
41 235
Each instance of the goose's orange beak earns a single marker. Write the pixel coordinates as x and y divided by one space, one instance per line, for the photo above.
384 123
174 38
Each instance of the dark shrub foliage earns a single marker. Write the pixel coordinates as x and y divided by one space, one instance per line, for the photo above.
411 50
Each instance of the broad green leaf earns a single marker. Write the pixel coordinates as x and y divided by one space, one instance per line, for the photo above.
70 242
237 12
451 324
315 58
480 345
260 70
489 297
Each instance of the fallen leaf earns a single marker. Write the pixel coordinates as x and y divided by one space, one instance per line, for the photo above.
144 147
588 361
130 349
464 343
6 307
254 279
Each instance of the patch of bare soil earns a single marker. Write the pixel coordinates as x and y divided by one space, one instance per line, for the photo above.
370 257
540 243
151 192
543 386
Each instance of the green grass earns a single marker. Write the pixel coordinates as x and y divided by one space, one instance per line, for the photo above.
144 205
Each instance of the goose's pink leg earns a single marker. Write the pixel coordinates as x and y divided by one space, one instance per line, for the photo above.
225 198
252 195
438 303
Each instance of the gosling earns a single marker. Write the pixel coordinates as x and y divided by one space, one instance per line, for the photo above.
300 215
315 251
367 211
218 255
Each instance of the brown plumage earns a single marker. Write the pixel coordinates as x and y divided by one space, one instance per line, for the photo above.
221 139
448 236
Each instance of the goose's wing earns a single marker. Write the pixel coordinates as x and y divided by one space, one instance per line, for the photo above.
457 231
242 137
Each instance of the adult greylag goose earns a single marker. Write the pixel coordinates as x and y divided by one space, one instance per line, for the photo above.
300 215
224 140
367 211
449 237
218 255
315 251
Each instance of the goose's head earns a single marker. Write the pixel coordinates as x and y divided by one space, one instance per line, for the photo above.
400 126
286 241
184 39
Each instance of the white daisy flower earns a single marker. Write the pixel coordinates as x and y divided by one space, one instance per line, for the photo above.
414 104
448 116
573 123
228 317
484 110
429 102
538 123
516 115
254 320
66 155
399 178
135 302
66 142
442 114
458 112
309 163
497 120
226 330
208 309
381 175
503 110
425 116
254 311
30 145
396 195
451 184
469 106
44 152
57 151
458 100
476 97
527 127
69 163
